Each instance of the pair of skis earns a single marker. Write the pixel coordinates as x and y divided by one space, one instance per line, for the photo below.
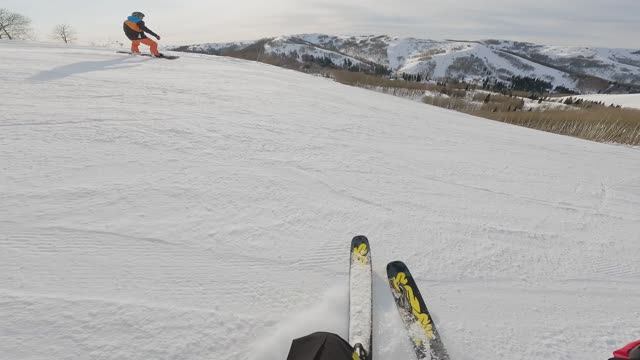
413 311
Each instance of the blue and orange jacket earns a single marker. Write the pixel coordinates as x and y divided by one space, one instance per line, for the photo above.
135 29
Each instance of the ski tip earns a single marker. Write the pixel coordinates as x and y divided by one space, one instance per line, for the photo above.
359 239
360 250
396 263
396 266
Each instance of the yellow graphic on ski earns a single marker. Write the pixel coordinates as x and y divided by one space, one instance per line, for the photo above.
360 253
414 313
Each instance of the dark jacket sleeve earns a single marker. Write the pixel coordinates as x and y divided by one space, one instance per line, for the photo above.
146 29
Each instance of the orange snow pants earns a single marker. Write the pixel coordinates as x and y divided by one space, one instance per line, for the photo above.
152 44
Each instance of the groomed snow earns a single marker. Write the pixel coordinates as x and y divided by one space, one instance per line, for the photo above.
203 208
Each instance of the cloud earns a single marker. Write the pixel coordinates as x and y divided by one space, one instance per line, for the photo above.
585 23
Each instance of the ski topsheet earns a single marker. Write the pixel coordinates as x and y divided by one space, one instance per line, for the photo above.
414 313
360 307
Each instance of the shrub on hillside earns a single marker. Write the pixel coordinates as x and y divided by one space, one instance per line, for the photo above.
602 124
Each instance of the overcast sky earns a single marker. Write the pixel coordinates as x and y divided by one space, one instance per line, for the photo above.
613 23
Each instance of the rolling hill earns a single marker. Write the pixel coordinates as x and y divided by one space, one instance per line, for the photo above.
202 208
579 68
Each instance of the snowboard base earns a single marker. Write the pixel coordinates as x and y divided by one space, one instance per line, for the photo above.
168 57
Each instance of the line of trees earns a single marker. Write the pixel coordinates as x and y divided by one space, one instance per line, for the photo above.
523 83
347 64
15 26
534 85
413 77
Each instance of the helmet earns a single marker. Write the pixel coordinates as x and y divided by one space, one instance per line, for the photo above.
137 14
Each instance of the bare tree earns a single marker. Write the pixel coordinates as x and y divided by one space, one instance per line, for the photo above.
65 33
14 25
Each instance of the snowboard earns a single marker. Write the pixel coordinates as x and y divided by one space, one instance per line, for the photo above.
424 336
360 305
168 57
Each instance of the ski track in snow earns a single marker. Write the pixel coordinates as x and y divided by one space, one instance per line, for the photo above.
203 208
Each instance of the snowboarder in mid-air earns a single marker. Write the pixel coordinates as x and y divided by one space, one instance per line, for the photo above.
135 30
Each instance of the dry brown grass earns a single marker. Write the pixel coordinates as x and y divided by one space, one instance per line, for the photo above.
586 121
452 103
481 96
597 123
453 92
601 124
501 103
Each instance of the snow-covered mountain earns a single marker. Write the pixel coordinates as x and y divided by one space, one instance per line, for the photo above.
202 208
587 69
619 65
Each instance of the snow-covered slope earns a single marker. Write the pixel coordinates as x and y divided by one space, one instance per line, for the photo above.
624 100
471 61
202 209
298 47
